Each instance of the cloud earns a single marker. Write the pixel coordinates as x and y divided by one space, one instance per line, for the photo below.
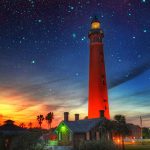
50 108
135 119
1 117
27 97
133 73
143 93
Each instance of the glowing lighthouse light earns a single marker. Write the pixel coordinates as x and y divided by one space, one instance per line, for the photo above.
95 25
98 96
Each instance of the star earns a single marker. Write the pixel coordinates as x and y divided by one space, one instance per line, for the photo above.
83 38
77 74
39 20
71 7
127 75
119 60
33 62
144 30
112 55
23 38
74 35
139 56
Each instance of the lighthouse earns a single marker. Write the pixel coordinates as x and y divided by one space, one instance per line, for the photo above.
98 95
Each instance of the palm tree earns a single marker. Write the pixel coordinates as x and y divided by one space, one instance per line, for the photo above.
121 128
108 125
120 118
40 119
49 118
30 125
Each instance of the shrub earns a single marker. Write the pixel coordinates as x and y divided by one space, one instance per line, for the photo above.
102 144
27 141
2 143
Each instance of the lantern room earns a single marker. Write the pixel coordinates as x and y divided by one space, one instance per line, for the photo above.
95 23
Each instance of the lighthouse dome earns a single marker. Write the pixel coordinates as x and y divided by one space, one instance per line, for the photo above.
95 23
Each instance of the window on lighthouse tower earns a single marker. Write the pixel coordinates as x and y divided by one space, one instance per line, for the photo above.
103 80
105 100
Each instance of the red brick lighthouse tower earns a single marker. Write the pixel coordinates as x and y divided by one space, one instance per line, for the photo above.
98 96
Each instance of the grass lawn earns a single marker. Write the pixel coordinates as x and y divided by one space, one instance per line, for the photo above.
137 147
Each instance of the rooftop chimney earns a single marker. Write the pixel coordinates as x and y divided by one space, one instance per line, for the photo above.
76 117
102 113
66 116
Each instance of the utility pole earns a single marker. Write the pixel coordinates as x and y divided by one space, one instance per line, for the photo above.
141 122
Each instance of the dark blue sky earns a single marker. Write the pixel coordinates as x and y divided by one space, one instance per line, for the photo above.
44 56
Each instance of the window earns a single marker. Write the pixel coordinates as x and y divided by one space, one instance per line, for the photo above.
59 136
70 136
101 53
103 81
97 135
87 136
105 100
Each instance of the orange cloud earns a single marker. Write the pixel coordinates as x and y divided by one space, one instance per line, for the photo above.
17 106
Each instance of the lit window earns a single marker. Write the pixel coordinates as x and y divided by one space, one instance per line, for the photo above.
87 136
59 136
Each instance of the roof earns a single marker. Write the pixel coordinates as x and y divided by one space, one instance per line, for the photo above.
10 128
9 122
95 19
132 126
82 126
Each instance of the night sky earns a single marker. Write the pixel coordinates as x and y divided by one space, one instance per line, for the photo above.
44 57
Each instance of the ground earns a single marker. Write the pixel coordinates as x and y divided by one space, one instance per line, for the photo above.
137 147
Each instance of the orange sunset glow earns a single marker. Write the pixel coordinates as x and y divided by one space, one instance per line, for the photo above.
16 106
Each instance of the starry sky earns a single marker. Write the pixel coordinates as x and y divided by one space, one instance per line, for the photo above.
44 57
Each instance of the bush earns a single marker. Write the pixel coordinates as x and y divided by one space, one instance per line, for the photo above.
27 141
102 144
2 143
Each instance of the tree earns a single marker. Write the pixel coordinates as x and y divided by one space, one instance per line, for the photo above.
49 118
146 133
40 119
22 125
2 142
27 141
107 128
121 128
30 125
